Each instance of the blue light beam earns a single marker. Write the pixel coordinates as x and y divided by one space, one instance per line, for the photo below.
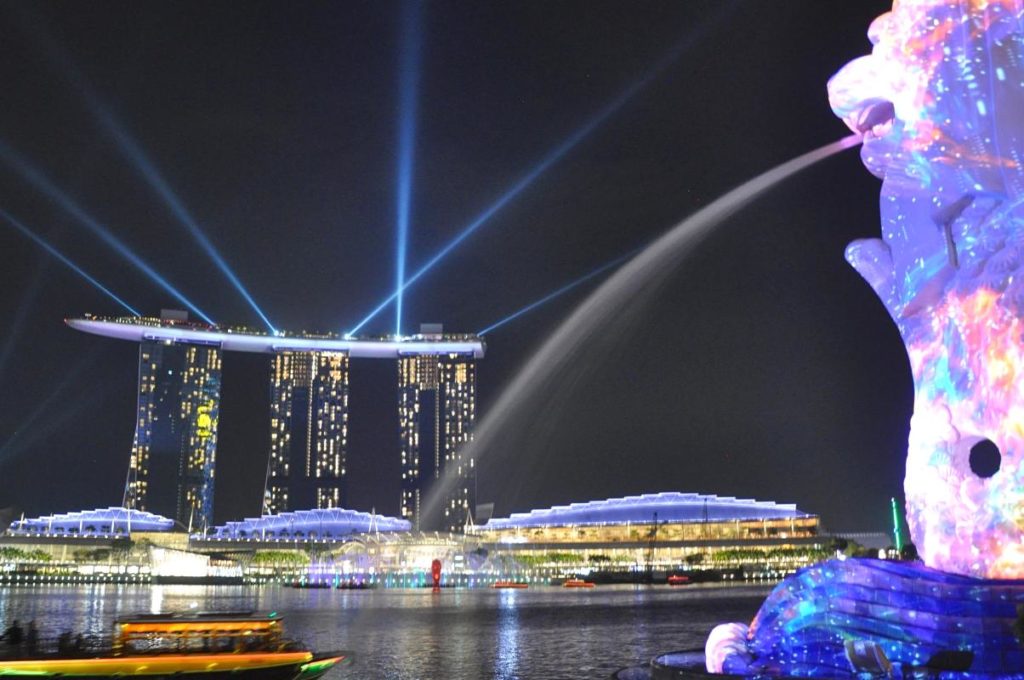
42 243
62 61
561 291
408 85
555 155
130 148
17 323
37 179
46 419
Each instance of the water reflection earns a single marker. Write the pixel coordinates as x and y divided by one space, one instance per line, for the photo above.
507 665
156 600
96 609
414 633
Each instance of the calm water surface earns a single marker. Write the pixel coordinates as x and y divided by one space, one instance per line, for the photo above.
538 633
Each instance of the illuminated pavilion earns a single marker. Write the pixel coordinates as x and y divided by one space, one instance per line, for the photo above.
671 528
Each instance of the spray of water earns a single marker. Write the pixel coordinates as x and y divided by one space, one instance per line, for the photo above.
588 324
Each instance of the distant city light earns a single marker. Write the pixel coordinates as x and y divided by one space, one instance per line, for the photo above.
60 256
36 178
560 291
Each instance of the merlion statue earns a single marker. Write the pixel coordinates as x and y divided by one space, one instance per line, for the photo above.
940 102
940 105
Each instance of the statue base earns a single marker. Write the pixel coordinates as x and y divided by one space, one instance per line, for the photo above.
827 618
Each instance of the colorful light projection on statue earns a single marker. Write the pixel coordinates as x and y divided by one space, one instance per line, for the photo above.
912 613
940 102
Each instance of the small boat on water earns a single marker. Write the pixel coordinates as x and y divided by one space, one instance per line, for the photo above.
577 583
327 585
311 585
678 580
196 646
510 584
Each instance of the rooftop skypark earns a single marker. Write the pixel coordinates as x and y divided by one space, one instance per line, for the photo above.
248 339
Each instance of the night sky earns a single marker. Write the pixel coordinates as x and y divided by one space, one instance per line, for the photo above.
764 368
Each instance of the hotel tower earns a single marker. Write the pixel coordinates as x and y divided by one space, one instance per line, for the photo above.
308 431
171 469
436 410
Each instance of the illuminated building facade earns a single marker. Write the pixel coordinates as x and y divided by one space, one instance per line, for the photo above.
436 409
309 412
323 524
171 470
100 522
308 431
670 529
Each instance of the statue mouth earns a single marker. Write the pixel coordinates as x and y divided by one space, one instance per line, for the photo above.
873 118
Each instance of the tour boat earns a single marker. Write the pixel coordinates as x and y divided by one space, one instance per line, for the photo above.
197 646
509 584
311 585
577 583
678 580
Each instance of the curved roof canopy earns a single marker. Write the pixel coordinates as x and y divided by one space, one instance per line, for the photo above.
671 507
327 523
248 340
99 522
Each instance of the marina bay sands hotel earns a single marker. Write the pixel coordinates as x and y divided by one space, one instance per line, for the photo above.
171 469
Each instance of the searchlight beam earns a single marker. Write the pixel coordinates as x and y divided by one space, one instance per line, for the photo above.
560 291
42 243
408 92
36 178
553 156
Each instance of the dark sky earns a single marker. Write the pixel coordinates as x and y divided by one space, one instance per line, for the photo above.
765 368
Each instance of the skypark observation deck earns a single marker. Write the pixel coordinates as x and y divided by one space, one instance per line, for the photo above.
243 339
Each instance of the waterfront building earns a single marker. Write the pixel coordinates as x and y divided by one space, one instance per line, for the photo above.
308 431
666 529
174 449
314 525
436 410
102 522
309 413
629 539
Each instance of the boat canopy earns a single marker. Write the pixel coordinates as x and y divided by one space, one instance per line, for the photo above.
143 633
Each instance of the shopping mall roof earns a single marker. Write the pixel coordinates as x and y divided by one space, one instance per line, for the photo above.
670 507
327 523
99 522
243 339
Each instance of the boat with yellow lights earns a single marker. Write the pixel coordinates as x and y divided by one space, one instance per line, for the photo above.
195 646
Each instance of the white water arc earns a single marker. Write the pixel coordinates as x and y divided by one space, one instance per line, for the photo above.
607 303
